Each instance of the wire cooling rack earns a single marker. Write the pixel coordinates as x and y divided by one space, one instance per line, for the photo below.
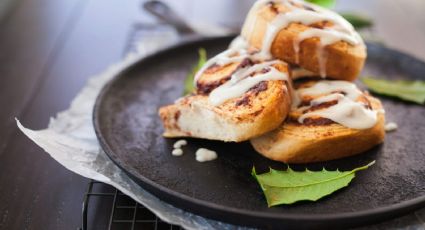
124 213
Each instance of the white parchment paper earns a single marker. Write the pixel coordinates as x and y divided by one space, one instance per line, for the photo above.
70 139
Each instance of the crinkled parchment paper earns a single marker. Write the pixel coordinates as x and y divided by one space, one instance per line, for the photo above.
70 139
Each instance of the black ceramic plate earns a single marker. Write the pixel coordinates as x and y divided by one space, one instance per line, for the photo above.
129 130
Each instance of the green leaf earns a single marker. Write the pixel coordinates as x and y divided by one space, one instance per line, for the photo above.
357 20
188 82
413 91
323 3
287 187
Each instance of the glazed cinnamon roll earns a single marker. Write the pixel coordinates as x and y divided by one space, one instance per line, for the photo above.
307 35
238 96
328 120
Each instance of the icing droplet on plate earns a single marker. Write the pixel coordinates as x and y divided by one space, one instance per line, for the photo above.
177 152
203 155
179 144
391 126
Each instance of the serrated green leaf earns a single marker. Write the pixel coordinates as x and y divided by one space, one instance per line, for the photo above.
288 187
188 82
323 3
413 91
357 20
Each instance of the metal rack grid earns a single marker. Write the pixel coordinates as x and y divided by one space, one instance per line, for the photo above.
125 213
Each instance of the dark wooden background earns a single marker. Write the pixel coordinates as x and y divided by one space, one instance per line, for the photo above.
49 48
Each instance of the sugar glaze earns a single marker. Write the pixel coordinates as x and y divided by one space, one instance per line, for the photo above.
347 111
340 30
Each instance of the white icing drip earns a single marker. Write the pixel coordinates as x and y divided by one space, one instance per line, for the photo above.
340 24
296 99
327 98
244 72
179 144
296 46
326 87
341 29
326 37
322 58
347 112
223 58
203 155
177 152
298 73
238 43
242 82
237 51
390 127
239 82
321 100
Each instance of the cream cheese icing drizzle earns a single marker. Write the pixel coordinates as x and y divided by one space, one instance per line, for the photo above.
238 43
326 87
326 37
228 56
241 81
347 111
340 31
237 52
297 73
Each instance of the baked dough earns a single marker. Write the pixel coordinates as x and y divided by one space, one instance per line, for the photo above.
259 110
319 139
343 60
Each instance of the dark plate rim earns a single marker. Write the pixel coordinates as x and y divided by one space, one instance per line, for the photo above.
159 190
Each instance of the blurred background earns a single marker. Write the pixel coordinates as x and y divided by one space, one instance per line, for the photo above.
49 48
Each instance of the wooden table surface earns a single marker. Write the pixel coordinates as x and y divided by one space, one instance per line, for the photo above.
48 50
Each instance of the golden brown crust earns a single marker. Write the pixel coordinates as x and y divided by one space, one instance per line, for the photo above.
215 76
261 109
344 61
319 140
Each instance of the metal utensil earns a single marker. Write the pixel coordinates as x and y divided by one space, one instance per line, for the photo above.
162 11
